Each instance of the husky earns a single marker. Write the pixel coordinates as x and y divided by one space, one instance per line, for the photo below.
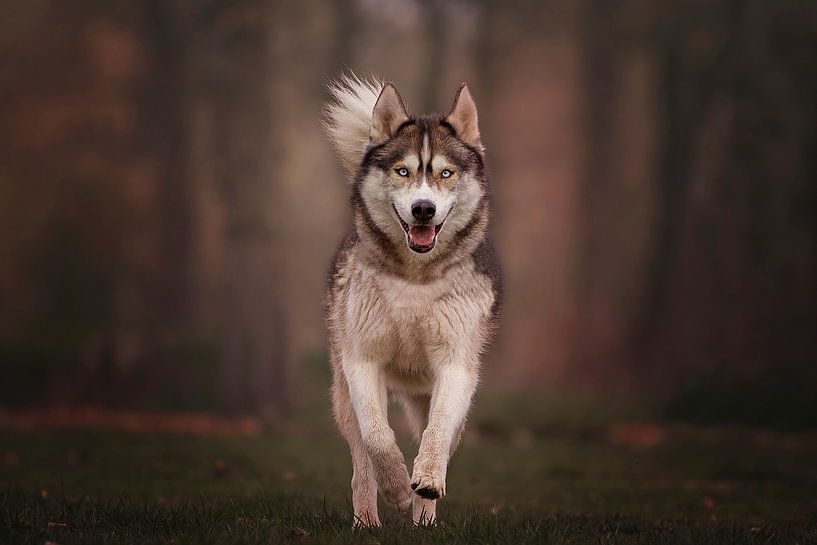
414 291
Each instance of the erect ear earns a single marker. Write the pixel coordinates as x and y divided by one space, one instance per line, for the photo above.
463 117
388 114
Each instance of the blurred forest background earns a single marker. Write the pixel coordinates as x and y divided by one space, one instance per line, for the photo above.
169 204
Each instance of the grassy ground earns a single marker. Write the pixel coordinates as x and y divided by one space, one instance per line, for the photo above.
639 485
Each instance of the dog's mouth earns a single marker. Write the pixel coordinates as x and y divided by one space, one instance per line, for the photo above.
421 238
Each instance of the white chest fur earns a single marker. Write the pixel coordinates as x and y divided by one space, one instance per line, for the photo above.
413 328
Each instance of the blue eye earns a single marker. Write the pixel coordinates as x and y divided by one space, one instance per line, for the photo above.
402 171
446 173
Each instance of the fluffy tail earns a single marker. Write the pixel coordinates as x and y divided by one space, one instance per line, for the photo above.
348 117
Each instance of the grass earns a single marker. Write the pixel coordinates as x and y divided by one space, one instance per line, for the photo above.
570 485
528 472
269 519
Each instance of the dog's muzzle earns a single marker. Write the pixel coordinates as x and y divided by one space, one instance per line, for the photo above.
420 238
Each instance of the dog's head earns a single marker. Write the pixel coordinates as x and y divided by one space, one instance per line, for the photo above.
422 178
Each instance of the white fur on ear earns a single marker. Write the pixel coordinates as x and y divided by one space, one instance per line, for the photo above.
463 117
389 113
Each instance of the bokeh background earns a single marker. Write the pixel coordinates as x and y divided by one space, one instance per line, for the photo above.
169 204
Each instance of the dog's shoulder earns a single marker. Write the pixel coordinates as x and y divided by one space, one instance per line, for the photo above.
486 262
338 265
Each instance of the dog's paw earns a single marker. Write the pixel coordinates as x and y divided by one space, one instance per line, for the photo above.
393 482
428 482
398 499
394 487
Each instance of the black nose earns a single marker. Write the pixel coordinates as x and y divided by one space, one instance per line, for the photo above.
423 210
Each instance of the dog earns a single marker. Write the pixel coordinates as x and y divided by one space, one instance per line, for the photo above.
414 291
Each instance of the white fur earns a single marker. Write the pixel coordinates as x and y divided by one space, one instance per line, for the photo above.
404 197
348 117
416 342
417 337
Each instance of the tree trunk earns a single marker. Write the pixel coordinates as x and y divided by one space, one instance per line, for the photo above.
688 90
601 52
434 17
253 375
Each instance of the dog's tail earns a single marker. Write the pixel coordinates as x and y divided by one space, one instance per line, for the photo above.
348 117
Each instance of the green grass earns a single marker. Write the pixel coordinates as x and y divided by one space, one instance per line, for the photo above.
564 486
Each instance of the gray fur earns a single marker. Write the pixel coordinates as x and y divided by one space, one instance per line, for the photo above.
410 324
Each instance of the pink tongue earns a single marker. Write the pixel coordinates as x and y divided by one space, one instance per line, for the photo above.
421 235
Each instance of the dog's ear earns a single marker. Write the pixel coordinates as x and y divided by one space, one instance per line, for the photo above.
463 117
388 114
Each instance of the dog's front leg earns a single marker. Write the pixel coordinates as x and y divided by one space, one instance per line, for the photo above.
367 389
451 398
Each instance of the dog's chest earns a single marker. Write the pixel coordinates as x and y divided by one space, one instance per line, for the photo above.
411 308
414 327
411 328
408 302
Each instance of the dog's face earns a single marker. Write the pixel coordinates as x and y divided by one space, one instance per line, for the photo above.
423 177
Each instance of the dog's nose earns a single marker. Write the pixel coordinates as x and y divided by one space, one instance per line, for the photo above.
423 210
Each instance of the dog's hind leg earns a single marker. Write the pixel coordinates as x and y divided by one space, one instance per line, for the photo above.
364 486
416 408
423 511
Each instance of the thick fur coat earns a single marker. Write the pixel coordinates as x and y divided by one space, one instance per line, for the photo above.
414 291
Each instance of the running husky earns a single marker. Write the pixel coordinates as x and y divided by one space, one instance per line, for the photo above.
414 289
